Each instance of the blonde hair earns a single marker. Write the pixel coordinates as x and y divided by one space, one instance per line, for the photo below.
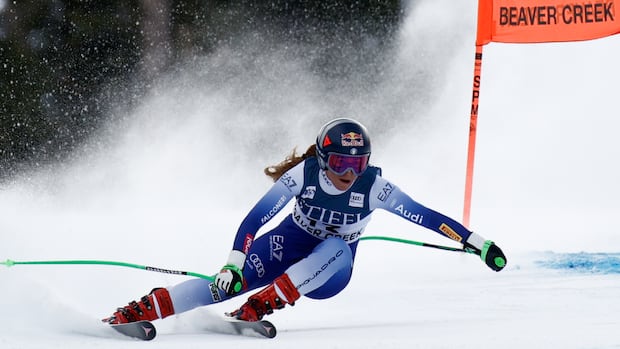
291 160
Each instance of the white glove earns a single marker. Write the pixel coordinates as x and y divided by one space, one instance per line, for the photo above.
230 278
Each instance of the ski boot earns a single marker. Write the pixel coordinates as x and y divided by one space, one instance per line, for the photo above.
155 305
275 296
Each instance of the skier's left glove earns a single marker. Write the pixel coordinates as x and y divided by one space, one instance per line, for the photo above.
488 251
230 278
493 256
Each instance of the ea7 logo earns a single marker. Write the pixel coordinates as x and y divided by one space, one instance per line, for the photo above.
288 181
385 192
276 246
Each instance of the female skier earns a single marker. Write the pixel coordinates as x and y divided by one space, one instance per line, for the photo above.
311 252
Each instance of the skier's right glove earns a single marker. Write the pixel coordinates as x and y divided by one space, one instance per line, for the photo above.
230 278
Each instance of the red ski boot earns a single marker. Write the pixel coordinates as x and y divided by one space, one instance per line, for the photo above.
275 296
155 305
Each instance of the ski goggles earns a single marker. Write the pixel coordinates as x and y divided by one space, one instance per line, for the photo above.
340 164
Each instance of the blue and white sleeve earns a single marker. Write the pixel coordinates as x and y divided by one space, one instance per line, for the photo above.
283 190
387 196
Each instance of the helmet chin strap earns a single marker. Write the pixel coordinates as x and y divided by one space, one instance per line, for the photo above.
322 163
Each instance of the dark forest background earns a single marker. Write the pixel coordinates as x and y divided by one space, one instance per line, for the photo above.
65 64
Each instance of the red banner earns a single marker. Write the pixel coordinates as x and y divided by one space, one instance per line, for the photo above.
532 21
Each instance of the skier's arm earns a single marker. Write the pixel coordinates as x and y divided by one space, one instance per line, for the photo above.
263 211
387 196
230 277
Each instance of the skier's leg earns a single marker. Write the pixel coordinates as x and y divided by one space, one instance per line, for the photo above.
269 256
323 273
195 293
326 270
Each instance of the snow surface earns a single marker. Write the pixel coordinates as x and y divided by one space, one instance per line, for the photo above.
169 187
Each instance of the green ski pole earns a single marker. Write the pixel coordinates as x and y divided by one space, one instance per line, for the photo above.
10 263
417 243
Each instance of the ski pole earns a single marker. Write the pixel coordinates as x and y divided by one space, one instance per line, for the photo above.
417 243
9 263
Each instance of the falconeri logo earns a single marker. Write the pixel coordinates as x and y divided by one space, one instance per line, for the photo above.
275 209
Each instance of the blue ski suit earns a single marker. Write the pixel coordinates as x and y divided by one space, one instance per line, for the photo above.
316 243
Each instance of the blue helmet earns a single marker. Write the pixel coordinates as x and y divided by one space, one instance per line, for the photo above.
342 136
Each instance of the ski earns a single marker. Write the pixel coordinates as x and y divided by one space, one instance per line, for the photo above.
143 330
262 328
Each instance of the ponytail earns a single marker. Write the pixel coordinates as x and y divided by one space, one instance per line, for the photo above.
291 160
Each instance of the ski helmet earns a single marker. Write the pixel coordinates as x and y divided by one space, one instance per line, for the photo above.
345 137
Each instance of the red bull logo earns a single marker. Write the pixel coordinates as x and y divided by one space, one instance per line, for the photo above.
352 139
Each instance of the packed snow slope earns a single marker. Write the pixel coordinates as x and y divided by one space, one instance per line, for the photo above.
170 185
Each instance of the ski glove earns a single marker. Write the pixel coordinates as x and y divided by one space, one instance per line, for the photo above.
493 256
230 278
489 252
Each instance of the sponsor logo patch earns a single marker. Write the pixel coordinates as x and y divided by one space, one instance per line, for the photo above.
276 246
414 217
356 200
352 139
281 202
385 192
258 264
215 294
450 232
288 181
247 243
309 192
